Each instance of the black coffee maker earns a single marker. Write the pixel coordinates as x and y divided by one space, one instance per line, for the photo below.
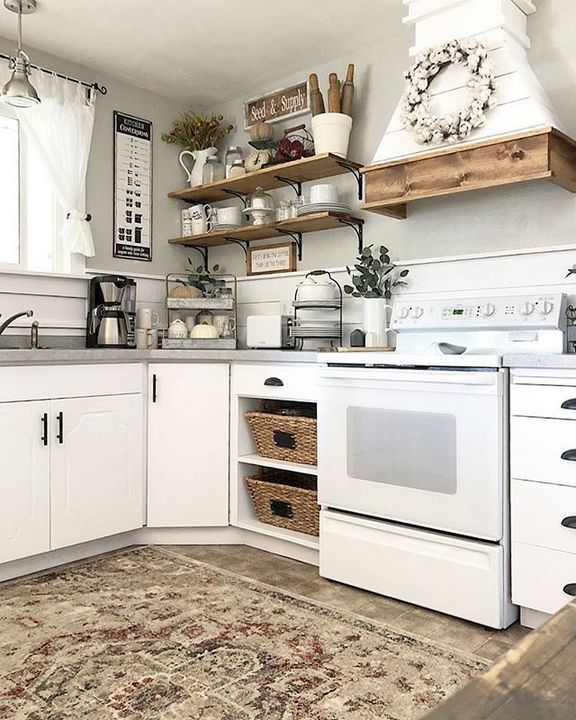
111 315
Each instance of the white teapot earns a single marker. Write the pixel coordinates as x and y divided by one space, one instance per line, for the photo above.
177 330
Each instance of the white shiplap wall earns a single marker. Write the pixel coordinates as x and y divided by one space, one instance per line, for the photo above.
59 302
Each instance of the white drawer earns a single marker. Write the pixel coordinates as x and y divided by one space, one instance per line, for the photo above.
286 382
540 450
442 572
549 401
538 511
539 577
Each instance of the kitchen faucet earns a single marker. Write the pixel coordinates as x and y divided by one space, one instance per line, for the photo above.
11 319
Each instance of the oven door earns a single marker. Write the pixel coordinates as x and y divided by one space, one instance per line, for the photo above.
422 447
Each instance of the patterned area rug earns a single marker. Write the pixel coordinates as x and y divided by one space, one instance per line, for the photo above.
150 635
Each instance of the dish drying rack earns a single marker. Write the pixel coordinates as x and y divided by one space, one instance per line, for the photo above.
299 332
184 306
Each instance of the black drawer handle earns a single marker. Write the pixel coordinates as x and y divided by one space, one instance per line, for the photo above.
273 382
569 404
570 589
569 455
281 509
44 436
60 433
570 522
154 388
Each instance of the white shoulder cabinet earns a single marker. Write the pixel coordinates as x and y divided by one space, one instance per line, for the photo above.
24 480
188 430
72 451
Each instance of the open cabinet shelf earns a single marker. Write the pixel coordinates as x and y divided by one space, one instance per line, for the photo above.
540 154
254 459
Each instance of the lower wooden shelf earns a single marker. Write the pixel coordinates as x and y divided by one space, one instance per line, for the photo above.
540 154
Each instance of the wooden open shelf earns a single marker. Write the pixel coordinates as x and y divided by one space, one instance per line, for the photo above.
270 178
314 222
540 154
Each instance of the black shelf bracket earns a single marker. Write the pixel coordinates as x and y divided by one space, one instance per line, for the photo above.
296 237
236 194
357 174
358 228
244 244
296 185
204 252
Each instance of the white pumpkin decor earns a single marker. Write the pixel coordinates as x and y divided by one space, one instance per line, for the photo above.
416 112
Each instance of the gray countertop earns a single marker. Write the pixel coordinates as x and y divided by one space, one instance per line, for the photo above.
101 355
541 362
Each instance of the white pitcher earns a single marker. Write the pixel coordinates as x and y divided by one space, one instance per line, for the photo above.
194 173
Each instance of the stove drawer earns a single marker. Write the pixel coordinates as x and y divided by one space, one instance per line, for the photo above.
442 572
542 579
546 401
543 450
538 511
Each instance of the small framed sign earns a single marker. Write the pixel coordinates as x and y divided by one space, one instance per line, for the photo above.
279 258
132 188
277 105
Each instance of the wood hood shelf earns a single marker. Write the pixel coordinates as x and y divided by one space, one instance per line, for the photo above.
290 173
541 154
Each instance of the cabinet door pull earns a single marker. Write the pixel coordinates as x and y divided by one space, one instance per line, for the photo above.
570 522
570 589
60 433
569 404
44 436
569 455
273 382
154 388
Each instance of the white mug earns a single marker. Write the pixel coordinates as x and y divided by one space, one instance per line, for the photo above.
323 193
199 227
229 215
200 212
146 318
222 321
145 338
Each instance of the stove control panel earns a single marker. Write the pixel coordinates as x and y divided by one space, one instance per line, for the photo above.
493 313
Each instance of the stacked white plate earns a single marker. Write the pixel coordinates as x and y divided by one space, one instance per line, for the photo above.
220 227
309 208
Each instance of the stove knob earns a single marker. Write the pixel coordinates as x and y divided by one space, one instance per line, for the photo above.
403 312
526 309
417 312
488 310
545 307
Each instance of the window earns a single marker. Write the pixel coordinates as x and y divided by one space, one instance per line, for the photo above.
30 215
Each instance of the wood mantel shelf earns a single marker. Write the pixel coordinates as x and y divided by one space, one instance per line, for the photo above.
540 154
270 178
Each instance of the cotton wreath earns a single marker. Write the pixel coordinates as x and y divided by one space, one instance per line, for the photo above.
416 112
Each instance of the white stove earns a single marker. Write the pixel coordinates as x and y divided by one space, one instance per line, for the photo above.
472 332
413 453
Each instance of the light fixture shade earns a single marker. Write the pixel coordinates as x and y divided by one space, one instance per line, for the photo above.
19 91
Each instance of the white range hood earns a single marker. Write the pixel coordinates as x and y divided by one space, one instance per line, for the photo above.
522 103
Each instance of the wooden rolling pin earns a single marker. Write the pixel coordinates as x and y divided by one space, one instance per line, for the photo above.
333 93
316 99
348 92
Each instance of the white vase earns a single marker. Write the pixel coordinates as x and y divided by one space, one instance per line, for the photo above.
375 323
199 157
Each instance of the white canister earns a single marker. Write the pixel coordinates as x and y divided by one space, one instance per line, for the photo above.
331 133
375 323
177 330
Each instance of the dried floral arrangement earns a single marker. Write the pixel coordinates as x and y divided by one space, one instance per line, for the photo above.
197 132
416 103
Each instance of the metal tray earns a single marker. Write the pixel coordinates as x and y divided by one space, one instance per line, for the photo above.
226 303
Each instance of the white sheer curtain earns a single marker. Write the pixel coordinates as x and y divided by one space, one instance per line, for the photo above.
60 127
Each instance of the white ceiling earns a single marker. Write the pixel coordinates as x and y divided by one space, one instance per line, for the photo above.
202 50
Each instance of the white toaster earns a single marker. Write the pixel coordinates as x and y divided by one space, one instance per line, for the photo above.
268 331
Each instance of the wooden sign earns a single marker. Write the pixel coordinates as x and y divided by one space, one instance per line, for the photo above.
278 105
279 258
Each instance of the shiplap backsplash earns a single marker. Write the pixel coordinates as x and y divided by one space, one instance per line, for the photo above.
59 302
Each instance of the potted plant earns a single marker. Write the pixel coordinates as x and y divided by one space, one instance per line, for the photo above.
198 134
202 278
374 277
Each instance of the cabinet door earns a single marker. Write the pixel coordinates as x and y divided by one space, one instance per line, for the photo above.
188 445
24 480
97 467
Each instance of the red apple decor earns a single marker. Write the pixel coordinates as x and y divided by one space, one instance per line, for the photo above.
287 150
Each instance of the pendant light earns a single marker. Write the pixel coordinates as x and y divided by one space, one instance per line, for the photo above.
19 91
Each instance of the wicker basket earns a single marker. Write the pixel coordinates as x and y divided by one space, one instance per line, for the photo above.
286 500
284 437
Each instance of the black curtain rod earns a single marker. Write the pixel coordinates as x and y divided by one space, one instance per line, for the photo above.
96 86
